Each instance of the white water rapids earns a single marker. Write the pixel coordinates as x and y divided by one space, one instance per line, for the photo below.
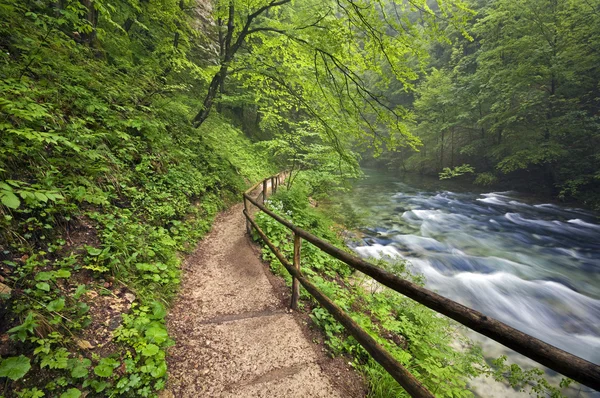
534 266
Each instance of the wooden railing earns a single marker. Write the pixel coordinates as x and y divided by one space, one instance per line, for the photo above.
552 357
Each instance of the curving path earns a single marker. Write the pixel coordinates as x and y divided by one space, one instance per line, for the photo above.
235 337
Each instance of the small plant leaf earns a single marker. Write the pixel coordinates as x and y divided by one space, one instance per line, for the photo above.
105 367
80 368
158 310
157 334
150 350
10 200
43 276
15 367
62 273
56 305
71 393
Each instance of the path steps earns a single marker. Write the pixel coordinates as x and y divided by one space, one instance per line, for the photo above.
234 337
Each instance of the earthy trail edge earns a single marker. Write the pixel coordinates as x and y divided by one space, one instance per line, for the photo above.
234 335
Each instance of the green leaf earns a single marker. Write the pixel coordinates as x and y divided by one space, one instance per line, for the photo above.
41 197
92 251
157 334
71 393
56 305
160 370
80 290
99 386
15 367
150 350
62 273
43 276
10 200
106 367
43 286
80 368
158 310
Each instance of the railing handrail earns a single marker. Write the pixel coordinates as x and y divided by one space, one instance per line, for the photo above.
572 366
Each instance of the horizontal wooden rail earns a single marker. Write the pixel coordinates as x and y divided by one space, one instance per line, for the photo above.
546 354
389 363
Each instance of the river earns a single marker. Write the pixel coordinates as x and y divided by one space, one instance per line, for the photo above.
532 265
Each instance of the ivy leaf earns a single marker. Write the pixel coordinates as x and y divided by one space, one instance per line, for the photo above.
56 305
15 367
71 393
150 350
43 286
105 367
10 200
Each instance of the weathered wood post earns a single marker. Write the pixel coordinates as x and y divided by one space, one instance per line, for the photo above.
248 226
264 190
273 185
295 283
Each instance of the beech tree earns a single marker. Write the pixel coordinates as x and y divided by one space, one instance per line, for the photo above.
329 61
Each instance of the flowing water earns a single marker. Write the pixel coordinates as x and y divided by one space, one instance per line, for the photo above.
532 265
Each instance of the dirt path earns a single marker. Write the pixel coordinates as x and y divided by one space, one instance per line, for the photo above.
235 337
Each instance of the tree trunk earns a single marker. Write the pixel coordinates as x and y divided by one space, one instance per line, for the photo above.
452 148
92 18
442 152
227 50
213 89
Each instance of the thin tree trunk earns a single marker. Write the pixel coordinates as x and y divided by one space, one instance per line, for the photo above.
452 148
92 18
227 51
442 152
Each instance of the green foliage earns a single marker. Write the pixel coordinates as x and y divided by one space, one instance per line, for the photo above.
529 380
519 102
103 183
485 179
458 171
327 63
14 367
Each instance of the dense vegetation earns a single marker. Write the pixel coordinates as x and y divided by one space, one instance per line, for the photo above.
518 104
103 181
127 125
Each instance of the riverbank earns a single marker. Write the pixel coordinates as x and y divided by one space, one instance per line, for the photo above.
522 183
416 336
526 263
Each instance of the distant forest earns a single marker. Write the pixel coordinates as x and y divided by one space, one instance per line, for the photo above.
514 98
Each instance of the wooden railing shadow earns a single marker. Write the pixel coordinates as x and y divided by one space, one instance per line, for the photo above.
548 355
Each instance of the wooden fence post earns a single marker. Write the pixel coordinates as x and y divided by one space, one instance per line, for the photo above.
248 226
264 191
295 283
273 185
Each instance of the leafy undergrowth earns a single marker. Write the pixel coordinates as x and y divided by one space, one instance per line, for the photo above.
428 345
103 185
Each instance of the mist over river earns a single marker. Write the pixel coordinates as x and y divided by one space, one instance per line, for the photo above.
532 265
